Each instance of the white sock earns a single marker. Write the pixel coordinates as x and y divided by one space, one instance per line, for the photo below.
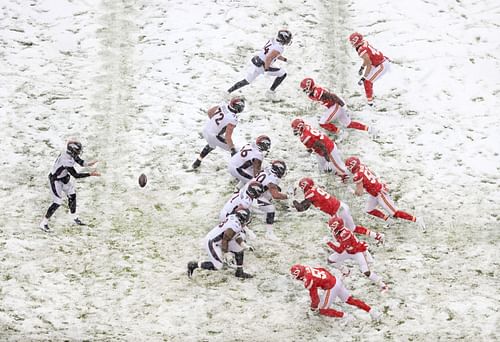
374 277
45 221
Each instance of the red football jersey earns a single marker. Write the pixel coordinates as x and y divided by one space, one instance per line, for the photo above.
348 242
327 101
323 200
371 183
376 57
310 135
317 277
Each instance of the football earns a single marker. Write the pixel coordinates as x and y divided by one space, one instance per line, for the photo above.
143 180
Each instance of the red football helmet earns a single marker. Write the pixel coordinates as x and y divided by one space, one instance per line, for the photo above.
236 105
297 271
306 184
356 39
297 126
352 164
335 224
307 85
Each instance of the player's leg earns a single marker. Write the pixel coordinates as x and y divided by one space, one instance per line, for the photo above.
69 189
239 266
345 213
56 191
386 202
279 73
270 211
337 162
327 117
214 262
252 73
211 144
370 208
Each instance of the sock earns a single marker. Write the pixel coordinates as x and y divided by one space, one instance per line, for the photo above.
374 277
358 125
238 85
378 213
362 230
331 312
277 82
330 127
368 90
404 215
358 303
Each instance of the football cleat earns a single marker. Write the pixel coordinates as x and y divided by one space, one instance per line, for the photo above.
384 288
271 94
45 227
196 164
372 132
271 236
240 274
375 314
79 222
421 223
192 265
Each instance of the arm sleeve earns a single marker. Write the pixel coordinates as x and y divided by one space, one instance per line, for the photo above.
337 249
75 174
79 161
313 293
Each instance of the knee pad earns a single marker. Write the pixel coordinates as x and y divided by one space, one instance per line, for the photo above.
270 218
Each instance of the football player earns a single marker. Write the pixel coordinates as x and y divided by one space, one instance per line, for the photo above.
218 131
270 178
335 108
225 246
60 181
375 64
263 63
332 206
331 287
366 180
327 153
350 247
247 163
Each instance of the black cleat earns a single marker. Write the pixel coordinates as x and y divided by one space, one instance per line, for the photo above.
196 164
240 274
192 265
45 228
79 222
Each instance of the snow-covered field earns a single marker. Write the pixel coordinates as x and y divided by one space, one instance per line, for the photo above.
133 79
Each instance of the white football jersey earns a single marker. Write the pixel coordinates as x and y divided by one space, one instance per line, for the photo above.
239 199
245 157
271 45
219 121
62 162
265 177
231 222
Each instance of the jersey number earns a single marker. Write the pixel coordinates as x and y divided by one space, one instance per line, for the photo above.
323 193
318 274
266 47
220 116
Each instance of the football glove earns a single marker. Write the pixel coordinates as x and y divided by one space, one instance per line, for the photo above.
360 72
233 151
229 259
361 81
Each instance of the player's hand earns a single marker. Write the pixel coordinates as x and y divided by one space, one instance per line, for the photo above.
379 237
229 259
92 163
291 191
233 151
361 81
360 72
247 247
95 173
326 239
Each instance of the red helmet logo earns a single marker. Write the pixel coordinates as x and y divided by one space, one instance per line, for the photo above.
297 126
307 85
306 183
335 223
297 271
356 39
352 164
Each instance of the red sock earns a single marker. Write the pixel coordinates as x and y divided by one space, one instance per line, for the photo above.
368 89
361 230
404 215
331 312
378 213
359 303
330 127
358 125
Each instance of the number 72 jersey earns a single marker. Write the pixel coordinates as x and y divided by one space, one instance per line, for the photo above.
371 183
219 121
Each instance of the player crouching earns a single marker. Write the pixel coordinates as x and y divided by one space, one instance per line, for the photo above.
225 246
